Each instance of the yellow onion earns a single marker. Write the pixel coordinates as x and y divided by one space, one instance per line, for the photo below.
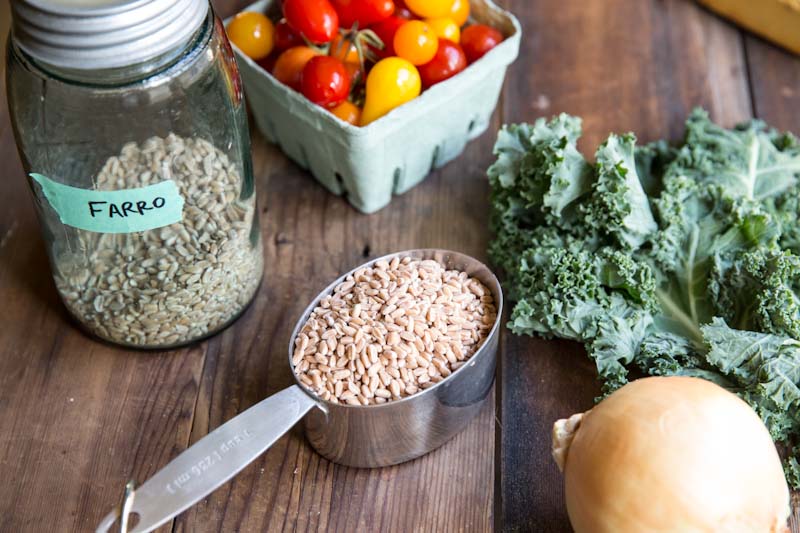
672 454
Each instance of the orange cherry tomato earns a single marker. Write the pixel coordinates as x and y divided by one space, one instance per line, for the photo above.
344 49
416 42
252 33
445 28
349 112
430 8
290 64
460 12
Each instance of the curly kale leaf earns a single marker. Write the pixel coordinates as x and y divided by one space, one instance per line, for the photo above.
766 370
745 161
649 255
542 167
618 206
599 296
662 353
759 290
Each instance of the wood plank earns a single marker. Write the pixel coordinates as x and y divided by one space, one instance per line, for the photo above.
78 418
311 237
623 65
775 84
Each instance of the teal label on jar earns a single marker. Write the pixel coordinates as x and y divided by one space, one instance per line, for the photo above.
122 211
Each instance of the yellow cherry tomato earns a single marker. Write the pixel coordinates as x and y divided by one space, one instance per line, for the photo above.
460 12
252 33
349 112
430 8
391 83
445 28
416 42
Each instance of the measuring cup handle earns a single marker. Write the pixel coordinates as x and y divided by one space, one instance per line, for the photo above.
212 461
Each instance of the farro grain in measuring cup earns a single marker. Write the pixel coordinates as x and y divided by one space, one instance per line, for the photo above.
174 284
391 330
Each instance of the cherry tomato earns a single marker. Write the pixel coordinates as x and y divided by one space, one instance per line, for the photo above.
344 49
349 112
449 61
445 28
314 19
416 42
391 83
386 30
325 81
401 10
286 37
430 8
252 33
362 12
477 40
290 64
268 63
405 13
460 12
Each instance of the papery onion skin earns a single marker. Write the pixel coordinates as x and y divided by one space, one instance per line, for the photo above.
673 454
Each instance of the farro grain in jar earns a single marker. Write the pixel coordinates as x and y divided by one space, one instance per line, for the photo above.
139 158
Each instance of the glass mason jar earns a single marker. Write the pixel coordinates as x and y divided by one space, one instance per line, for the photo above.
129 117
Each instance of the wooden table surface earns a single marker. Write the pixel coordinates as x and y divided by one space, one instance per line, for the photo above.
79 418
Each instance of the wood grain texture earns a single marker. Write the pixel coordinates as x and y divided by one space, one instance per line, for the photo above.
311 237
622 65
78 418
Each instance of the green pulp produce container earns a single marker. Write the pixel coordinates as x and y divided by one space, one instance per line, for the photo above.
393 154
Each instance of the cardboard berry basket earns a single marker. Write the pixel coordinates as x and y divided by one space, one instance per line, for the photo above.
396 152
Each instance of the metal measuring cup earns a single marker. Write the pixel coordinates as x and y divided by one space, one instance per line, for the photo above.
360 436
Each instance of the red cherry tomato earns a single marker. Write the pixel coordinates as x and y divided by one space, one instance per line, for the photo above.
362 12
401 10
268 63
478 39
448 61
314 19
325 81
385 31
286 37
289 67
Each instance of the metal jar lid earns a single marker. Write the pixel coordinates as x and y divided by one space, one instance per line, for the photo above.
104 34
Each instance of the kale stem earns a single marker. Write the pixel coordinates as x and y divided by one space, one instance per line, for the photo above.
673 310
